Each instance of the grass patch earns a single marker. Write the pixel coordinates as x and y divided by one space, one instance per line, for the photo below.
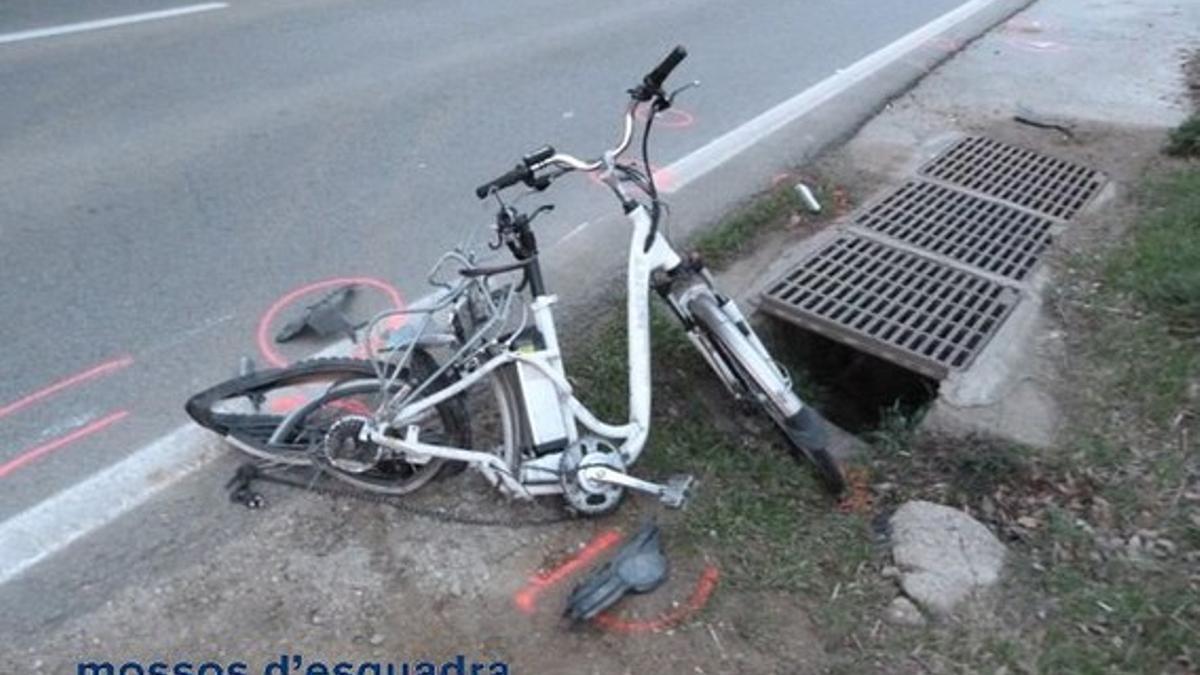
735 234
1104 539
1103 576
1160 267
1184 141
758 512
1144 340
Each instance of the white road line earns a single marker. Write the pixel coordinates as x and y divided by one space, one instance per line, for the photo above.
54 523
82 26
50 526
718 151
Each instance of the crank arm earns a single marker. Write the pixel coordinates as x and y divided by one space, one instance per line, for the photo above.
673 493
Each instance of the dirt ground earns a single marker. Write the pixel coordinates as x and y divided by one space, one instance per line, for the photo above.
340 580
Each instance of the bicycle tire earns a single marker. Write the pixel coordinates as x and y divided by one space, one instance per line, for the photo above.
735 349
294 438
250 432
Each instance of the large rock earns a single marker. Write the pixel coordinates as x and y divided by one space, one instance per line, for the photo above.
943 554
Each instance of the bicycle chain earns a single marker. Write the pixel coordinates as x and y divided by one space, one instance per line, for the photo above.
240 492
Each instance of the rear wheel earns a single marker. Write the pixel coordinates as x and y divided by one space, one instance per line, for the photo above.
331 424
805 430
309 413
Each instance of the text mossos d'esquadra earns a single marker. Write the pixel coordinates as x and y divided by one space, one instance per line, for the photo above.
295 664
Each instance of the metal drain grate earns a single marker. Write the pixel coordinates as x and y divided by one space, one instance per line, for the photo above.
1048 185
973 230
923 314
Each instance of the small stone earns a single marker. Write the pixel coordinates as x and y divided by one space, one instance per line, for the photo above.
1134 546
376 639
1164 548
317 619
902 612
890 572
1029 522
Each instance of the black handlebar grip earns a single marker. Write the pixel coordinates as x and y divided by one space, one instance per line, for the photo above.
519 173
657 76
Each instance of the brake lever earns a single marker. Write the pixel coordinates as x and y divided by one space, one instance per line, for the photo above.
544 208
669 99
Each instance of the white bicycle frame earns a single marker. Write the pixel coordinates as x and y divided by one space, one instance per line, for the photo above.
723 318
632 435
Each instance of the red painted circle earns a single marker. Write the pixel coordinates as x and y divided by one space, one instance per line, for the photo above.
263 336
663 178
671 118
696 602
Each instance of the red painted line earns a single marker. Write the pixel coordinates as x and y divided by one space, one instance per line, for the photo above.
48 447
526 598
671 118
66 383
697 601
664 179
263 333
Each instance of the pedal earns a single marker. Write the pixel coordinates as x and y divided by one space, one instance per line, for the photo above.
676 491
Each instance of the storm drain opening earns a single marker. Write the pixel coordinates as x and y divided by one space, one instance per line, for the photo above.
1047 185
915 311
965 227
857 391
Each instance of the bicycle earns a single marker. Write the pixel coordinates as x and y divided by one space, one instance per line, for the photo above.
392 422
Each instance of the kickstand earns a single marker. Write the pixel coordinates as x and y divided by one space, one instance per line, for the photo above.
239 487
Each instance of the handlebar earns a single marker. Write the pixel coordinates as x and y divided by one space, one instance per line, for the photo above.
653 82
519 173
526 172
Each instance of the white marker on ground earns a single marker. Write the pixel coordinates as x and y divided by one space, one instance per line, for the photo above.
82 26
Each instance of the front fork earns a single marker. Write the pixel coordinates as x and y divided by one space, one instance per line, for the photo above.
678 287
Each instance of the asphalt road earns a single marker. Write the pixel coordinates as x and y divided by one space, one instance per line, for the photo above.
164 183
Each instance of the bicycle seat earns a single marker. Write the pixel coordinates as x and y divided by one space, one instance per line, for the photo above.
638 567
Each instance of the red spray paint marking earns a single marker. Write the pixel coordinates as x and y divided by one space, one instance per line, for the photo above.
66 383
1039 46
671 118
697 601
664 179
526 598
944 44
263 335
48 447
391 323
1022 25
352 407
286 404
